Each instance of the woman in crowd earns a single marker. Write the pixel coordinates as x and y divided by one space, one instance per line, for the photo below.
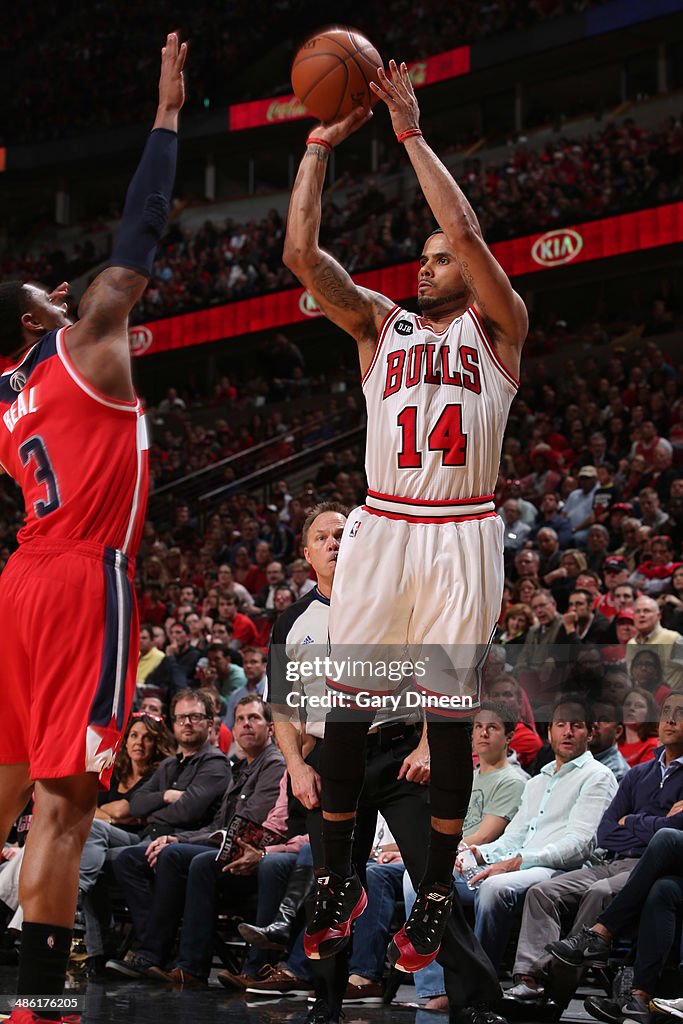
641 719
519 619
646 673
524 589
671 600
146 743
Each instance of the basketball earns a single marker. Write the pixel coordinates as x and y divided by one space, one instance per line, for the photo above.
332 71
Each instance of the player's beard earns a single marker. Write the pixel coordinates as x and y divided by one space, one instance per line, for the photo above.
452 300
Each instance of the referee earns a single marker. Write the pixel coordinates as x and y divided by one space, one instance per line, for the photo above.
396 774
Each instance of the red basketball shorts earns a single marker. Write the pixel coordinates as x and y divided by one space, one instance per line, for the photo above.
69 653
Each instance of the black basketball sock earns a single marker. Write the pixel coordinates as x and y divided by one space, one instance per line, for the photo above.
443 849
43 958
337 845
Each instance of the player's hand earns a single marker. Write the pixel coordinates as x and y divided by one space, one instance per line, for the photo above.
171 83
397 91
336 131
247 863
416 766
58 296
306 786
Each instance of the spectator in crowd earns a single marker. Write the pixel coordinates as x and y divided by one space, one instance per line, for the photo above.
277 534
640 714
221 672
615 573
265 598
581 622
229 587
146 743
667 642
241 629
570 796
646 673
579 505
549 551
563 580
525 742
653 576
183 655
300 580
550 518
608 728
526 564
670 601
150 655
516 532
518 620
651 512
649 798
177 875
254 667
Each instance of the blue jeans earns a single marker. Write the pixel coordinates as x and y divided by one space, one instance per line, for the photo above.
371 931
429 982
102 840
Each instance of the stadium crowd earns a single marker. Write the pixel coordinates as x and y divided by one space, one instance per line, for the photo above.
567 181
583 719
100 90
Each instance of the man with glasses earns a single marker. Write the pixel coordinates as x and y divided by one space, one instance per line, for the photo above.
184 791
649 798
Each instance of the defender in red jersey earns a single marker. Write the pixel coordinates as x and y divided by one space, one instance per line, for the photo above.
72 434
421 562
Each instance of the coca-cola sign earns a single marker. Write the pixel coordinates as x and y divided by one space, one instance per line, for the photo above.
140 339
286 109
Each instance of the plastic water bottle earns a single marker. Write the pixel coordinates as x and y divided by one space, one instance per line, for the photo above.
470 868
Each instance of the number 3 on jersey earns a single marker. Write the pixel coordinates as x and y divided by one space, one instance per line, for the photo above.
446 437
34 448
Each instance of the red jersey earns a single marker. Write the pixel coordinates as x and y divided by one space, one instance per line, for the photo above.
79 457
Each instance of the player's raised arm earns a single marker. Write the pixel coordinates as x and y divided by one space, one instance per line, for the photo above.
500 306
358 311
104 309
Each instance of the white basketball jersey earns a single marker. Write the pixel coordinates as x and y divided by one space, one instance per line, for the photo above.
438 403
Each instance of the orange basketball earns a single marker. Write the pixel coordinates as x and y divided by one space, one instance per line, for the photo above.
332 71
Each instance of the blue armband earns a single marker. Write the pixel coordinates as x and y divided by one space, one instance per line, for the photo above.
147 204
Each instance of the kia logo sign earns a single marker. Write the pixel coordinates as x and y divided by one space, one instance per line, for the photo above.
308 305
557 247
139 338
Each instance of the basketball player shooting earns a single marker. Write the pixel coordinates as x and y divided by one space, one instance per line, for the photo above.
72 434
421 563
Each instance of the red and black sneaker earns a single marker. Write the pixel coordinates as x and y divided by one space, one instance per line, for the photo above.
338 902
418 942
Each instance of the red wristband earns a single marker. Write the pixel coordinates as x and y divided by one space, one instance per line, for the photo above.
313 141
410 133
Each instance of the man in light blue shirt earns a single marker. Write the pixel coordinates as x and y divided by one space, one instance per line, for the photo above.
553 831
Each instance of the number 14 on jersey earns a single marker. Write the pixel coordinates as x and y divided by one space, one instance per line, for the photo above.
446 436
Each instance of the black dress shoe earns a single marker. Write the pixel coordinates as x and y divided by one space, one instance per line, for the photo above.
476 1015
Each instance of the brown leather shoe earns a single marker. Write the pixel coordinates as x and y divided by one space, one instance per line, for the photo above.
279 983
179 978
235 982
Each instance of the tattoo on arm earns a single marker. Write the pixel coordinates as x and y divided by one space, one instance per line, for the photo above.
331 281
468 277
316 153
